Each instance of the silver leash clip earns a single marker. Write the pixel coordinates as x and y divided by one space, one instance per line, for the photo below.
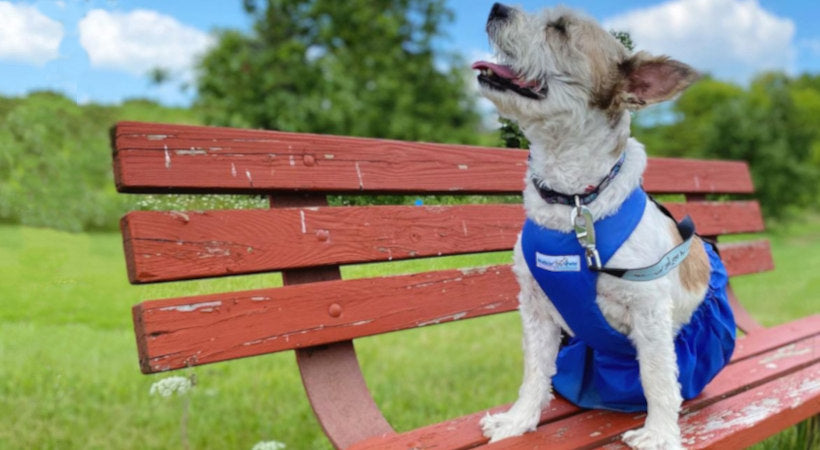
581 218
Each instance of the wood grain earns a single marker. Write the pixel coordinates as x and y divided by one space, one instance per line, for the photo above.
181 158
165 246
176 333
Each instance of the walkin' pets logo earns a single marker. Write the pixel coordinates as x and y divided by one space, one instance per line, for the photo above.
559 263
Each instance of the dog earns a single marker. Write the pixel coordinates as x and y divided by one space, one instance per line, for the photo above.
639 339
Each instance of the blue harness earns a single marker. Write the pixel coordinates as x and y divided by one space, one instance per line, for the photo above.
599 368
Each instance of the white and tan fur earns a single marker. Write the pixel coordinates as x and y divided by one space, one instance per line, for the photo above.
577 134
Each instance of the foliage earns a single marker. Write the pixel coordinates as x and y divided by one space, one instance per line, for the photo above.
55 167
772 125
360 67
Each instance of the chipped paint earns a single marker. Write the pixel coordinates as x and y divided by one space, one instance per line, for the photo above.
156 137
167 158
782 353
191 151
464 227
747 417
302 217
329 156
248 176
215 252
179 215
361 322
438 320
260 299
359 174
203 306
463 167
233 170
474 270
292 161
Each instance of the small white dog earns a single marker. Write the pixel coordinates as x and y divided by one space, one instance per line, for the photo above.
641 339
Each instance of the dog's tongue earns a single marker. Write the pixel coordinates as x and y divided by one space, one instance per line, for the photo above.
503 72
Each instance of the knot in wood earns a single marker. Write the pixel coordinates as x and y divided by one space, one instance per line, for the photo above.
309 160
323 235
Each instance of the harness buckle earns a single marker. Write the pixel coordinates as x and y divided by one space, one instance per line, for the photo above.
581 218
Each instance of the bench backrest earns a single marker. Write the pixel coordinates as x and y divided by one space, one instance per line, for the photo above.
307 241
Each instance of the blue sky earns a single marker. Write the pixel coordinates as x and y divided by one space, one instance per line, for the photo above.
100 50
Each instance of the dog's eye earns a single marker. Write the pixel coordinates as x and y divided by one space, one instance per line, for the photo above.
559 25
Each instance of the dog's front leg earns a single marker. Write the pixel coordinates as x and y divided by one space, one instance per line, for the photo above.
652 335
541 340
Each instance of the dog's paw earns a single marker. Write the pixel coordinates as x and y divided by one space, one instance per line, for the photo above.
649 439
508 424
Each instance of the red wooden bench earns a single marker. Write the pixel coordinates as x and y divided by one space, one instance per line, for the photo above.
772 383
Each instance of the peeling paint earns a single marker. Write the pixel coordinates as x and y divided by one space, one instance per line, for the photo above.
191 151
167 158
260 299
329 156
474 270
361 322
233 170
292 162
438 320
782 353
156 137
248 176
193 307
215 252
747 417
463 167
359 174
302 217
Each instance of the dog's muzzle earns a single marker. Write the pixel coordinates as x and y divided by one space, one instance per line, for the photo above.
504 78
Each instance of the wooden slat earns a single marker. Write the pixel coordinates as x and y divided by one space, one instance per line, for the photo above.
176 333
164 246
464 432
773 369
165 158
752 416
693 176
180 158
742 258
717 218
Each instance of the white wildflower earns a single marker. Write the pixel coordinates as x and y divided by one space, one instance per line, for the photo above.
268 445
167 386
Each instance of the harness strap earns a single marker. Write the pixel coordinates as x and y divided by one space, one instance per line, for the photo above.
669 261
582 219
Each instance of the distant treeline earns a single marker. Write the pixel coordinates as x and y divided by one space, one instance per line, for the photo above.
55 160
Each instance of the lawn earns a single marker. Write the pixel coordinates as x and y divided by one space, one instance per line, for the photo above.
69 376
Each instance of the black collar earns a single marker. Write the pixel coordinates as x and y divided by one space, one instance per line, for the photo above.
553 197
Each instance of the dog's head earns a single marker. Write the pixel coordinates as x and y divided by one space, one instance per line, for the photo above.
559 62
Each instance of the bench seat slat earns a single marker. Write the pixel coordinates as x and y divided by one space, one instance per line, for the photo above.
464 432
182 158
165 246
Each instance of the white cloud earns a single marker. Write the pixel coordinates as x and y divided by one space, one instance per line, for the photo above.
731 39
27 35
141 40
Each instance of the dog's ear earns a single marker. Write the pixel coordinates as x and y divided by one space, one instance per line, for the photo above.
649 79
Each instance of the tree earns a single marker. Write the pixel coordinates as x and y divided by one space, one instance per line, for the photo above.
358 67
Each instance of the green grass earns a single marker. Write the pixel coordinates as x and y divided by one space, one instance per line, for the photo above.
69 376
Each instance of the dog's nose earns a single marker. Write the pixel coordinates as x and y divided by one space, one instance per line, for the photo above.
499 12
